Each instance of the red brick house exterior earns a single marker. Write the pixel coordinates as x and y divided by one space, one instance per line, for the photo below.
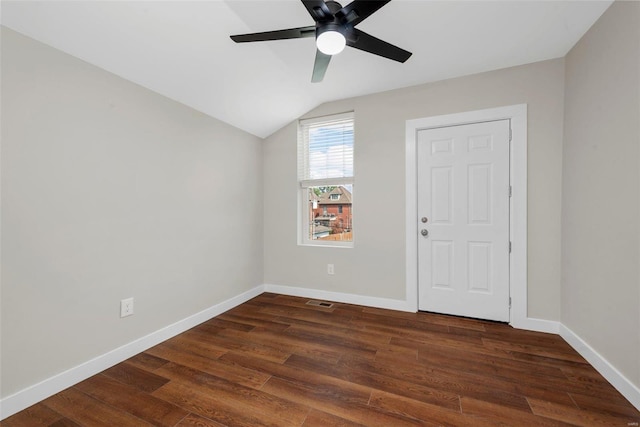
334 210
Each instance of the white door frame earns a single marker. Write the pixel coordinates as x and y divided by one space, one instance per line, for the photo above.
518 203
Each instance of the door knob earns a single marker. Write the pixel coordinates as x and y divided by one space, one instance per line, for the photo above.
424 232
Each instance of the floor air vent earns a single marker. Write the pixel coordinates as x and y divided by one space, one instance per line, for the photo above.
320 303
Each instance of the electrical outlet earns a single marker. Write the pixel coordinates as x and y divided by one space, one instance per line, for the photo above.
330 269
126 307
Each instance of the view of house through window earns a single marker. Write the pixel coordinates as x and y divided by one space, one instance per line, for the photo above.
330 213
325 175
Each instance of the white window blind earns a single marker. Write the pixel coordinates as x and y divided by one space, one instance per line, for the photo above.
325 149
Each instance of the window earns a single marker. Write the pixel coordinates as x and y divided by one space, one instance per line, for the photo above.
325 179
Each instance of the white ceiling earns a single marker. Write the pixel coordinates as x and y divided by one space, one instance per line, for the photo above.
181 49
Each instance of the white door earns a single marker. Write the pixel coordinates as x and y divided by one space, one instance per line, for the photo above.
463 220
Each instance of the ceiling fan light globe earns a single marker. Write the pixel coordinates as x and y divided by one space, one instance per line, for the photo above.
331 42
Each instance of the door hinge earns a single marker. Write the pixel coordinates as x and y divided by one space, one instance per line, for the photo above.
509 246
510 134
510 191
509 302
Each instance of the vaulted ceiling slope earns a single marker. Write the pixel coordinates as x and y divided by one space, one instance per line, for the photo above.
181 49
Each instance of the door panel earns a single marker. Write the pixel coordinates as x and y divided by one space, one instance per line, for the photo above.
463 191
441 191
442 271
479 266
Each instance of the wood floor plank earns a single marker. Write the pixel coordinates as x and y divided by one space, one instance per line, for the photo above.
65 422
352 346
236 340
397 326
285 342
516 387
184 343
193 420
379 382
197 344
230 406
456 383
395 354
209 329
500 332
425 413
90 412
616 407
542 360
130 399
505 416
440 355
223 369
37 415
334 402
146 361
520 375
429 318
364 338
227 324
348 391
132 375
322 419
570 368
208 405
502 382
244 398
532 349
422 340
309 313
255 319
578 417
276 361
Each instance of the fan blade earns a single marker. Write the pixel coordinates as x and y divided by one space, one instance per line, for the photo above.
318 10
291 33
359 10
320 66
368 43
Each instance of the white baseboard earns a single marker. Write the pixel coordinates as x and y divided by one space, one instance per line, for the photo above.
391 304
37 392
537 325
629 390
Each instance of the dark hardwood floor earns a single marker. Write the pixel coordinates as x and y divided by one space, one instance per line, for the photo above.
277 361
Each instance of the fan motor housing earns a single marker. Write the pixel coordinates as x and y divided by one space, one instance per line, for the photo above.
333 6
330 26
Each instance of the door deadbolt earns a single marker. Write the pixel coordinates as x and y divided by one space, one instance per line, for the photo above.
424 232
424 219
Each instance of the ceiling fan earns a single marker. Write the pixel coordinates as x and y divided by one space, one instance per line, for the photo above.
334 29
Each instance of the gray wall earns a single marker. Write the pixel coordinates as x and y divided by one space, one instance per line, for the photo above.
601 189
376 265
111 191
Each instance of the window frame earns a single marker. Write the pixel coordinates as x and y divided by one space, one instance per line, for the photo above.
304 185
